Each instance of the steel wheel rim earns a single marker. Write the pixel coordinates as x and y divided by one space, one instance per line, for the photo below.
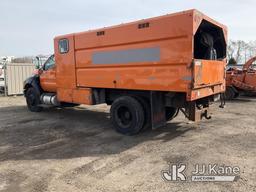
124 117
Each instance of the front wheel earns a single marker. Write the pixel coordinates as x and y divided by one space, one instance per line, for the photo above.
127 115
33 100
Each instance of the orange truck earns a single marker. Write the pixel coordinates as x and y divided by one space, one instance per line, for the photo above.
241 81
146 70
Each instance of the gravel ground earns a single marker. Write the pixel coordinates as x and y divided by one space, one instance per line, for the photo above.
76 149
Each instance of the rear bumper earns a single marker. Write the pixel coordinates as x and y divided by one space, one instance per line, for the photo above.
202 92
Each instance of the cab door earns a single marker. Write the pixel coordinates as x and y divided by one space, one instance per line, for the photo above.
48 75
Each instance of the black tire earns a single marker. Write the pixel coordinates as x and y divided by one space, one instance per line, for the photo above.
127 115
230 93
236 95
33 100
147 113
171 113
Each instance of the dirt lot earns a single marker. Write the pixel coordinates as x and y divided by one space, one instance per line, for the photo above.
76 149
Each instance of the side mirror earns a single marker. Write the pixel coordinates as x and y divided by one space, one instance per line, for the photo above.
38 71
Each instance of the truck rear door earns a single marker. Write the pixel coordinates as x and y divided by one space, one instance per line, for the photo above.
208 73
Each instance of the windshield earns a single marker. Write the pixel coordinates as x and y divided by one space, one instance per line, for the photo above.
50 63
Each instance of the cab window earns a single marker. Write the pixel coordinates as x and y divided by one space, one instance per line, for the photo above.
50 63
63 46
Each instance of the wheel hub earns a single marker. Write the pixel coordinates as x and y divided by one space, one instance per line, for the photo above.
124 116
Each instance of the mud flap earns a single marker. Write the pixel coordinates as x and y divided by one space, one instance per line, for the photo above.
157 109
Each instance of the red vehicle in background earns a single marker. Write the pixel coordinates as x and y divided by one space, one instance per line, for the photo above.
241 81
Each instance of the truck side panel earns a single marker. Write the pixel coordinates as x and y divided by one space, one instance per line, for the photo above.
159 28
143 66
156 57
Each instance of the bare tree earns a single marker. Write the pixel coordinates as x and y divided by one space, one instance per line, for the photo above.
240 51
231 49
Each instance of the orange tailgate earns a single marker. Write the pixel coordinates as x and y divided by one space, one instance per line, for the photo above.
207 73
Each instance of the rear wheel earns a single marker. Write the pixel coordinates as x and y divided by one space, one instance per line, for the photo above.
127 115
171 113
33 100
147 113
236 95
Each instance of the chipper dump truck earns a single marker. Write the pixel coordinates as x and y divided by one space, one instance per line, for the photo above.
146 70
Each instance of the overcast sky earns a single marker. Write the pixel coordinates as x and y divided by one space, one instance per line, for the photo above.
29 26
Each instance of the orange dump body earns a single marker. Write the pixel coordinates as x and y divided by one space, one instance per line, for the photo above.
157 54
